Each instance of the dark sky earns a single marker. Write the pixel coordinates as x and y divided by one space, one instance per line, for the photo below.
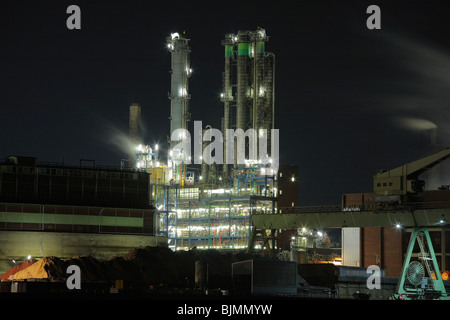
341 89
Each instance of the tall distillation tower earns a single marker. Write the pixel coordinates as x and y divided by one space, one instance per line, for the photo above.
179 95
180 73
248 86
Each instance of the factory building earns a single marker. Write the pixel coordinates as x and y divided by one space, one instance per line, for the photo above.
51 209
287 197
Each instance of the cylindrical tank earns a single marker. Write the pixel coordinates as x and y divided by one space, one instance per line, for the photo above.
243 87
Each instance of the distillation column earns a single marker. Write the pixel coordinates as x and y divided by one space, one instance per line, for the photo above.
255 82
180 73
227 95
243 87
263 87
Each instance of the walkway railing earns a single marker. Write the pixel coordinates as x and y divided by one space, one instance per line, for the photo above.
378 207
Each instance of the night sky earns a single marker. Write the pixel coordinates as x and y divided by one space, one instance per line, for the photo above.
342 90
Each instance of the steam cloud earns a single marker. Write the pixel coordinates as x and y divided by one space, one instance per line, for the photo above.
416 123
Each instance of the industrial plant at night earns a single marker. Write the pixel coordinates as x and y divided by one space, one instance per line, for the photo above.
213 210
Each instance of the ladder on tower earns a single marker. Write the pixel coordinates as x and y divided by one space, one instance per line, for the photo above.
424 255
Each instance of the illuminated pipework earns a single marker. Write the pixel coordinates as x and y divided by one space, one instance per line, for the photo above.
213 218
146 157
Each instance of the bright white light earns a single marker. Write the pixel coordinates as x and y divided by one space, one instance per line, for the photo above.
261 132
398 226
175 35
319 234
156 147
293 179
29 257
200 177
262 34
261 91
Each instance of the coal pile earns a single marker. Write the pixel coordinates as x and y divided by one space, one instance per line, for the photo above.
141 269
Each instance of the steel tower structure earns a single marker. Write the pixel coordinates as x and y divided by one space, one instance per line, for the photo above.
248 86
180 73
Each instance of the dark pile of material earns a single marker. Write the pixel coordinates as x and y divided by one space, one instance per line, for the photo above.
142 268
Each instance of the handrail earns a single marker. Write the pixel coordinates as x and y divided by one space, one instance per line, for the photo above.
409 206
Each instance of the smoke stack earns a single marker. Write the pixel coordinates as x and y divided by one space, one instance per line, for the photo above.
434 174
180 72
135 132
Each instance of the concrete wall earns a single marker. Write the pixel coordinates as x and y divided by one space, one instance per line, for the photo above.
18 245
351 247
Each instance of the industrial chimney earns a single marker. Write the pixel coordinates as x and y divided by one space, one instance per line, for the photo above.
134 132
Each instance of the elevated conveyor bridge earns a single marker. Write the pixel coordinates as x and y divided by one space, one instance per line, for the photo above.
316 217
